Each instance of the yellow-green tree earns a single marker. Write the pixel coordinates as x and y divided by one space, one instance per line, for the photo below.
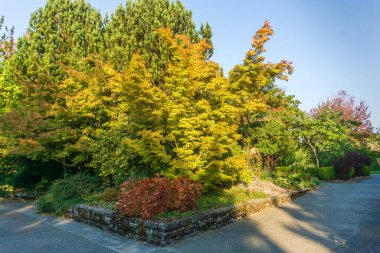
187 126
254 89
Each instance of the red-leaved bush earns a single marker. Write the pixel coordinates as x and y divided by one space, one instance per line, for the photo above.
154 196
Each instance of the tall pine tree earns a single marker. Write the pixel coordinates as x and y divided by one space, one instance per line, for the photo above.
58 34
133 29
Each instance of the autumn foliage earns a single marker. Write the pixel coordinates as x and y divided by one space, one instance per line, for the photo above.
136 95
154 196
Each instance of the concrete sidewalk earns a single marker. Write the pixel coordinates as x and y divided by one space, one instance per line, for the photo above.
339 217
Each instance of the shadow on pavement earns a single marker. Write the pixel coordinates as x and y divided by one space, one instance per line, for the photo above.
339 217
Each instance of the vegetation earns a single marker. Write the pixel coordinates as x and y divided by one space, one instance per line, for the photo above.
366 170
326 173
136 94
295 178
155 196
351 164
68 191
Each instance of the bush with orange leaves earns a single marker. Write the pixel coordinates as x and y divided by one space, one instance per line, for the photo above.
154 196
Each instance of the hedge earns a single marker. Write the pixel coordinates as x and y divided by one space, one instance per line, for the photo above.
323 173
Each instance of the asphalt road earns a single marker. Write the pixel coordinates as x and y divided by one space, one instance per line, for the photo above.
339 217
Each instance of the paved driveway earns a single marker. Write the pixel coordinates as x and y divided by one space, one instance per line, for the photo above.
340 217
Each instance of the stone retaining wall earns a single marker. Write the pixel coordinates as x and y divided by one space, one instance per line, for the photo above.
162 232
21 195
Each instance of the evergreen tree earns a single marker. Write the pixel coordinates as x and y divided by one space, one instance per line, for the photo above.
58 34
133 29
206 33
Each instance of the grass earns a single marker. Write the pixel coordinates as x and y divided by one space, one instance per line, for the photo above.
228 197
375 172
214 200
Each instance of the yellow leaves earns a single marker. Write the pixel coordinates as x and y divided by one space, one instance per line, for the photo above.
253 82
236 166
167 37
203 106
251 53
284 69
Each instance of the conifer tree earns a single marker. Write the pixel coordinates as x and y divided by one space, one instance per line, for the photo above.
206 33
58 34
133 29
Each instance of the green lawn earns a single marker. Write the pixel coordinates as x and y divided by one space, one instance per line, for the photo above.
375 172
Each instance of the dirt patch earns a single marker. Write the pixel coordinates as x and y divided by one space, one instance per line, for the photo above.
267 187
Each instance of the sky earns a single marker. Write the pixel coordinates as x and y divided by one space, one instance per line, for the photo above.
334 45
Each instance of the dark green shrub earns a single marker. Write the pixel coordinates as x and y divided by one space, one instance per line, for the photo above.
313 171
366 170
351 174
294 178
315 181
68 191
326 173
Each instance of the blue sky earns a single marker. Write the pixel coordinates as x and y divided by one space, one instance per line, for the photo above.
334 45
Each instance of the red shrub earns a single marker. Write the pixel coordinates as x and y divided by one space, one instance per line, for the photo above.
152 196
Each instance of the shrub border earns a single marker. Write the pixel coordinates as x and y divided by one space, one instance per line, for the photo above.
165 231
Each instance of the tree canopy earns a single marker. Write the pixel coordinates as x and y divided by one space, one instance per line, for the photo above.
137 94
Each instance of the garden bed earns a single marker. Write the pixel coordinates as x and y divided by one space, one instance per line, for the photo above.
165 231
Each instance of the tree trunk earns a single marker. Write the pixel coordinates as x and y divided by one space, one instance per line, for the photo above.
314 153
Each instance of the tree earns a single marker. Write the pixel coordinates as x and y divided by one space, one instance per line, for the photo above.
355 117
206 33
7 42
58 34
133 29
275 134
256 95
9 90
322 133
184 127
